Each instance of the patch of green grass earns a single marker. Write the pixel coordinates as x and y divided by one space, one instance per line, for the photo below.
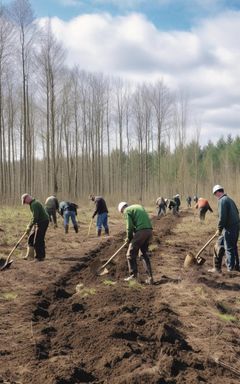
135 284
153 247
109 282
227 317
84 291
8 296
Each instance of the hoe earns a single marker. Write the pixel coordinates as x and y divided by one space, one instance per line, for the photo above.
8 262
191 259
97 270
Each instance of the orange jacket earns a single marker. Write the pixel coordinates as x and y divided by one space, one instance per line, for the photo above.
203 203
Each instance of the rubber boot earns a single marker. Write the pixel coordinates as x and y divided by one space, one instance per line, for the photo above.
99 232
66 228
30 253
76 228
132 267
148 268
107 231
218 253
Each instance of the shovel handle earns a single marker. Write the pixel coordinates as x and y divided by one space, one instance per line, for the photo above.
205 246
15 246
89 228
115 254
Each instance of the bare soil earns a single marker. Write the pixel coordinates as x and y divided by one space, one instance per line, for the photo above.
61 323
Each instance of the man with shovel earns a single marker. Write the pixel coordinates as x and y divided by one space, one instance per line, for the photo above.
228 229
139 234
36 229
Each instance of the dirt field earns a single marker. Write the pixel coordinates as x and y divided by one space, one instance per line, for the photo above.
62 324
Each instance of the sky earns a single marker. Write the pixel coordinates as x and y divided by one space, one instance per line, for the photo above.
191 45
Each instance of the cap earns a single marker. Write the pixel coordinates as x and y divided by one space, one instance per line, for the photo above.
122 205
24 197
216 188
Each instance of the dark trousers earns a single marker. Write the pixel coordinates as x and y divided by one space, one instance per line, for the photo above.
52 215
36 239
140 242
221 248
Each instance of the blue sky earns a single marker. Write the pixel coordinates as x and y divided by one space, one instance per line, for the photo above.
165 14
192 45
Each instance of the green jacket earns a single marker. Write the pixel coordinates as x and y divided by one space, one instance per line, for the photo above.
39 213
136 219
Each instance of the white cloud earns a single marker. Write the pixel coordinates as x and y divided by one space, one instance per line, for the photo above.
204 60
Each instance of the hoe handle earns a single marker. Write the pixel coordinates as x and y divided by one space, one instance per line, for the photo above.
115 254
15 246
205 246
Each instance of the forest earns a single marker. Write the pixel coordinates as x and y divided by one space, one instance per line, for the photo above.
72 132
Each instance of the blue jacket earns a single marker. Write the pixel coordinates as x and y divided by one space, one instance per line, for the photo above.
228 213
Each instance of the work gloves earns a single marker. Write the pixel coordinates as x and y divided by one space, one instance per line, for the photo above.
219 232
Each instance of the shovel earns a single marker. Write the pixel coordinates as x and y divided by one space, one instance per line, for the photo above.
89 228
8 262
190 259
103 270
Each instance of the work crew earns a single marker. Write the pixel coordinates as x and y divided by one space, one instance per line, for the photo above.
203 206
228 228
139 234
68 210
161 206
36 228
52 206
102 214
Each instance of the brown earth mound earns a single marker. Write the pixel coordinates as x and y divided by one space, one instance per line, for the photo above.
63 324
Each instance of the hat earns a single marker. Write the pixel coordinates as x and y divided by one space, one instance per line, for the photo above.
122 205
24 197
216 188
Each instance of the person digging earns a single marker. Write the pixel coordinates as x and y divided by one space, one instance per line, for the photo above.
139 234
36 229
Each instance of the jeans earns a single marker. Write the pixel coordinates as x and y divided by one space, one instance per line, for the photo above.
230 237
102 220
67 215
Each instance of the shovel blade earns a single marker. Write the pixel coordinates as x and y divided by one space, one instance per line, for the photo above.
6 265
105 271
200 260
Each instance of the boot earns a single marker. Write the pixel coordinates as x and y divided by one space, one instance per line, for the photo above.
99 232
66 228
107 231
76 228
30 253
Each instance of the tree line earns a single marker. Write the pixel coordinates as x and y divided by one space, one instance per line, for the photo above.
71 132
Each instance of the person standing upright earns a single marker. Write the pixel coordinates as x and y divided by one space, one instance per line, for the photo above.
36 229
102 214
228 226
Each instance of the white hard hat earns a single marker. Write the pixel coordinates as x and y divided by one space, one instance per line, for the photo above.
177 195
121 205
24 197
216 188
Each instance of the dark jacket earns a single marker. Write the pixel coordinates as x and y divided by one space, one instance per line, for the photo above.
65 206
101 206
228 213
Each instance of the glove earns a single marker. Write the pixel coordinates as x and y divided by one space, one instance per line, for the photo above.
93 217
127 241
219 232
